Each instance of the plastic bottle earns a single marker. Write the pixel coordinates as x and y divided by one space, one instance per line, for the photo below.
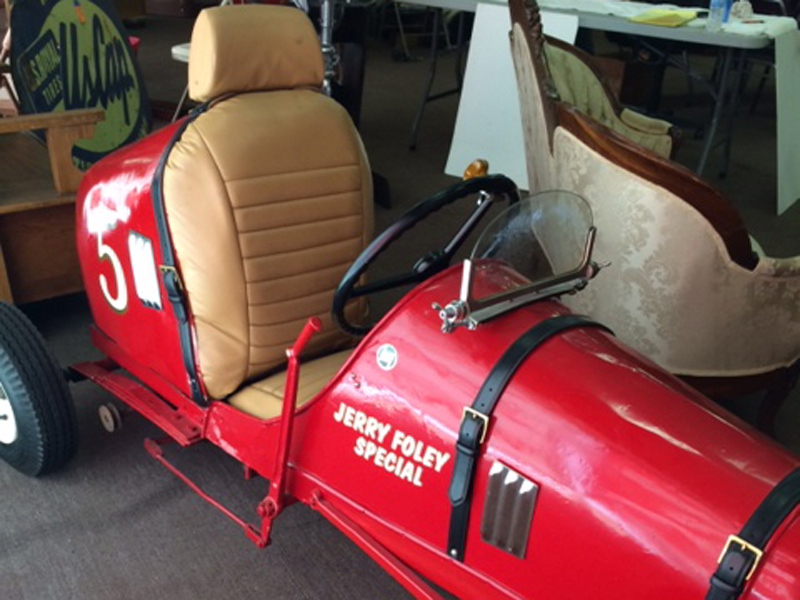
716 10
726 16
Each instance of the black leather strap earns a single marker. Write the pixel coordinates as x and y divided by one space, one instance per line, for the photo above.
168 269
739 560
476 419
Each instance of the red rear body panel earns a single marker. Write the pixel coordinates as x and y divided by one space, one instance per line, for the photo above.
114 200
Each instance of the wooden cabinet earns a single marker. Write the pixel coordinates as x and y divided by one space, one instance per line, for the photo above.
38 259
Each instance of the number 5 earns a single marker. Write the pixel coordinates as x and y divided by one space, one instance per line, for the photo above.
105 253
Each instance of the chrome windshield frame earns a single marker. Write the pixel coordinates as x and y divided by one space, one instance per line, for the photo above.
469 312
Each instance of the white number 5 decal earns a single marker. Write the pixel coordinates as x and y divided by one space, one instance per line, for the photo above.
105 253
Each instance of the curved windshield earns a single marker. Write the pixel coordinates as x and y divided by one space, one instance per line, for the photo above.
538 248
541 237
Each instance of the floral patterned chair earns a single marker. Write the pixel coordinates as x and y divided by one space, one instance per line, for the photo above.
687 286
579 82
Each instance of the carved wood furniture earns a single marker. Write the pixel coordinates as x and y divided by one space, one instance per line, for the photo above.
37 205
687 286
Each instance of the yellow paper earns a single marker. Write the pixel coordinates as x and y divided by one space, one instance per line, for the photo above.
665 18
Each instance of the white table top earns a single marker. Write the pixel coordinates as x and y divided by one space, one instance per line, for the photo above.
696 34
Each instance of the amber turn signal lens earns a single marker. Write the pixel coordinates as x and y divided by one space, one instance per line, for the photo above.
477 168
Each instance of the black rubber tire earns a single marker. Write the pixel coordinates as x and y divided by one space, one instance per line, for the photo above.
47 428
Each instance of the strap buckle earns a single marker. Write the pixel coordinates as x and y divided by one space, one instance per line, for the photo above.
747 546
478 416
176 278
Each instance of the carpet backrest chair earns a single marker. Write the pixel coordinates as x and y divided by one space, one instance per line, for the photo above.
687 287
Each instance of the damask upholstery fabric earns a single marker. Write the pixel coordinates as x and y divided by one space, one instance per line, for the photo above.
783 267
578 86
672 292
539 159
268 199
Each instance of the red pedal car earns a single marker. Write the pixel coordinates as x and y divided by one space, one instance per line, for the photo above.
478 436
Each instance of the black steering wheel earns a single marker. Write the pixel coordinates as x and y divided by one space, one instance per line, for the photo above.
431 263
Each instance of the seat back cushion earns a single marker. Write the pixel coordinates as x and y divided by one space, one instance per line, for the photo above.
268 200
252 48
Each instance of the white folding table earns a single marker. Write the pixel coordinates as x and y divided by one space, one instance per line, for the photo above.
734 45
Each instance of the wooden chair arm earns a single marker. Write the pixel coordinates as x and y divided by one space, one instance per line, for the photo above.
63 129
70 118
677 140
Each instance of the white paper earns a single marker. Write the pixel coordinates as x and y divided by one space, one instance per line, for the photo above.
489 124
787 76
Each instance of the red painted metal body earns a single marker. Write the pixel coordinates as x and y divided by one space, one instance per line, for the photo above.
641 480
114 199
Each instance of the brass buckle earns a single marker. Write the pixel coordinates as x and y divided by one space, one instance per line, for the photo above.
757 552
478 416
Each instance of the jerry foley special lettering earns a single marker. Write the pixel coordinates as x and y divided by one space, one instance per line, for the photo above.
390 449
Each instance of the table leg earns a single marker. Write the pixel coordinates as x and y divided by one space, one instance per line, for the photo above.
734 105
689 81
459 62
445 32
762 82
437 13
403 42
719 107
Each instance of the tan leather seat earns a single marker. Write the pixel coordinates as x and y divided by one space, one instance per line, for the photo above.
264 398
268 199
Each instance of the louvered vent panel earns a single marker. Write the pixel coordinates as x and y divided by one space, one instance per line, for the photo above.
508 510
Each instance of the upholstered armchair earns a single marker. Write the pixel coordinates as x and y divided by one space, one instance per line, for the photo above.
686 286
580 83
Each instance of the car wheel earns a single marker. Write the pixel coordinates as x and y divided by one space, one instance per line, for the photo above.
38 427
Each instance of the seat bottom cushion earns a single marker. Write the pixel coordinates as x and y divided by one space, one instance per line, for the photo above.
263 399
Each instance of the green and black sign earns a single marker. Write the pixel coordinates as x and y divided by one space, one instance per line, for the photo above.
70 54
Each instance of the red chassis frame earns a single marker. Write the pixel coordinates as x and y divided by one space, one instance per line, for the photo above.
121 184
594 426
186 424
268 448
